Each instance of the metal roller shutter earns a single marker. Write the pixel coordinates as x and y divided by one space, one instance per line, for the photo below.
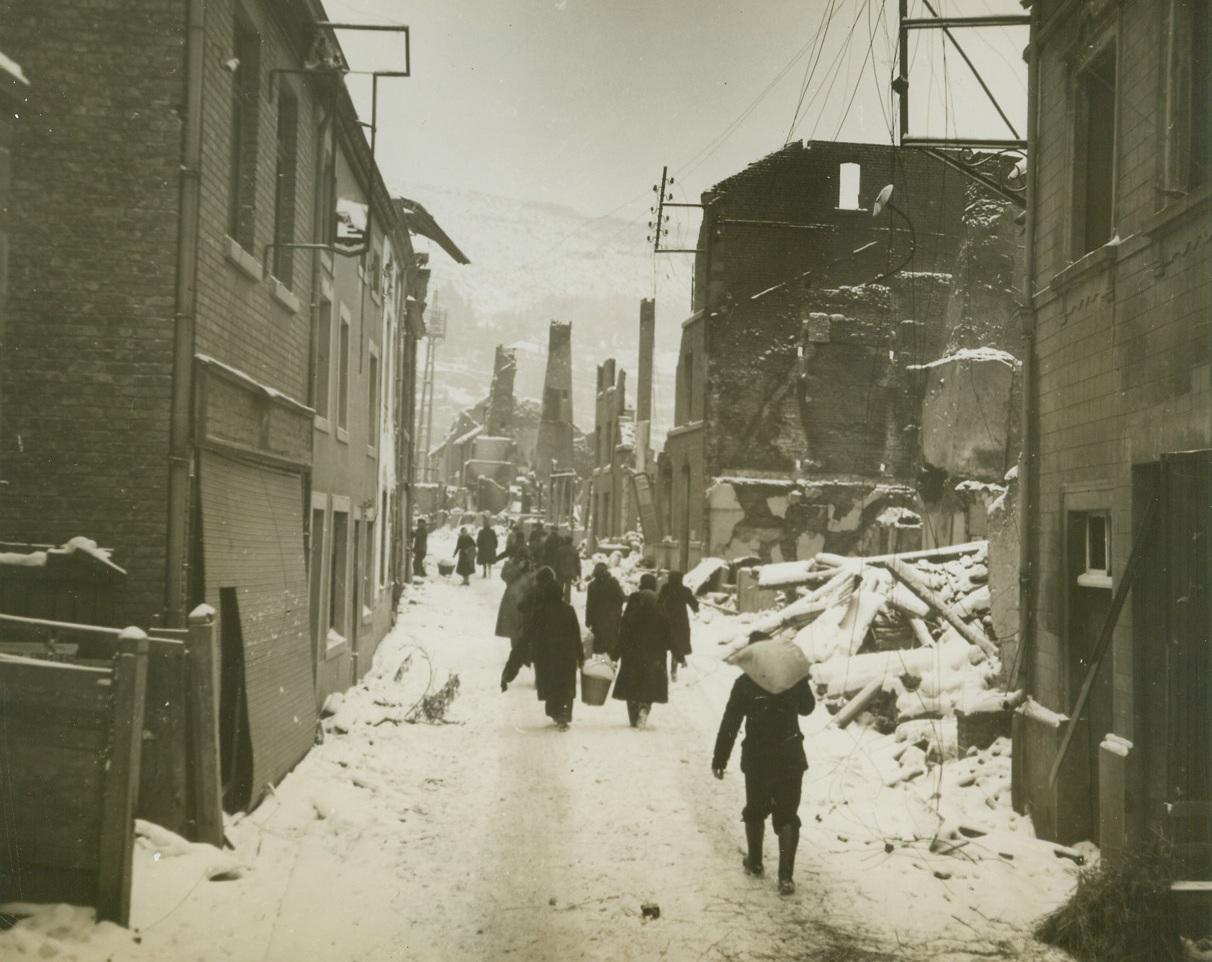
252 534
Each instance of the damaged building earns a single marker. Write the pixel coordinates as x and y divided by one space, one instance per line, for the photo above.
820 308
620 496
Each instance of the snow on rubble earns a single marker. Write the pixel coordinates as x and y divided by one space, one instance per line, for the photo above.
472 829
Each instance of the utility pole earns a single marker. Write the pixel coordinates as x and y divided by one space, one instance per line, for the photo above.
435 332
658 228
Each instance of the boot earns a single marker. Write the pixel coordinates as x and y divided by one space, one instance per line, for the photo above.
754 834
789 840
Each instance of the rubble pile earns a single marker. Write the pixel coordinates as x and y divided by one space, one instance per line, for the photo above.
903 636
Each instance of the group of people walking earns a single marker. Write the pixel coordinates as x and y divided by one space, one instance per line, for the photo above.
647 633
639 632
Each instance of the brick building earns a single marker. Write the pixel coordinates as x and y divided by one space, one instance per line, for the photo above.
210 342
801 366
1118 401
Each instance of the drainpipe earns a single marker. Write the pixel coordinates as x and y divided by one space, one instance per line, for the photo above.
180 420
1028 472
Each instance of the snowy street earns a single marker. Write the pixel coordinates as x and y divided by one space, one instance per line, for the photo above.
496 836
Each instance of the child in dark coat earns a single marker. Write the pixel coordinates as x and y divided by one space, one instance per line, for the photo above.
465 552
773 762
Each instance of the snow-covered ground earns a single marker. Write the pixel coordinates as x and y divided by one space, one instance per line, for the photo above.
494 836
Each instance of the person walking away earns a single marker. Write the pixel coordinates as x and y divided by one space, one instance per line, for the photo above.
551 550
486 548
773 762
513 541
465 552
420 545
518 575
553 634
675 598
537 543
566 561
644 639
603 608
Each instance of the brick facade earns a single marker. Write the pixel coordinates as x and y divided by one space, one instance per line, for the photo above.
164 344
1119 378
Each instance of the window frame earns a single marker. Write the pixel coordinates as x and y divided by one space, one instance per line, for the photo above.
1083 188
245 121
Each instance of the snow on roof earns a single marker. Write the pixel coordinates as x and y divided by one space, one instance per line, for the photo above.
77 546
775 482
464 438
13 69
253 382
971 354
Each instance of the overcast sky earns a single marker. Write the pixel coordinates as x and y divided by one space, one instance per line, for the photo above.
581 102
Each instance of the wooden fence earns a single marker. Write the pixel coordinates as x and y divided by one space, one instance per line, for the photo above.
70 759
179 786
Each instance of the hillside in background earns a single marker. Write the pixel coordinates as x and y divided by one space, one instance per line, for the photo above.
532 263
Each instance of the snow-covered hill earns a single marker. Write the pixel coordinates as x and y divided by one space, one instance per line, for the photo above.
532 263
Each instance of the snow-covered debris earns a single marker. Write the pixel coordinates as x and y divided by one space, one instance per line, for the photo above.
703 572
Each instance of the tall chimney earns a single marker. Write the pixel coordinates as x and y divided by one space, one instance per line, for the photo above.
643 398
553 449
500 394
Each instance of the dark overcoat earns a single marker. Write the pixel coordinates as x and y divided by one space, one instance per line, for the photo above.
565 560
675 599
519 578
465 549
486 546
537 543
603 609
773 742
644 640
554 636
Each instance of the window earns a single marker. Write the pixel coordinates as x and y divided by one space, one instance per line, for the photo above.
323 370
848 186
338 589
343 375
1188 101
368 565
284 189
325 219
1094 153
383 516
242 171
315 552
685 390
372 401
1097 573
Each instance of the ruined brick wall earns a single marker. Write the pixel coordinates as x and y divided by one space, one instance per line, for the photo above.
788 390
821 382
86 372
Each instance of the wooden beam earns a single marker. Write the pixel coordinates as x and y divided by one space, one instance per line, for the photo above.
203 702
909 578
122 780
